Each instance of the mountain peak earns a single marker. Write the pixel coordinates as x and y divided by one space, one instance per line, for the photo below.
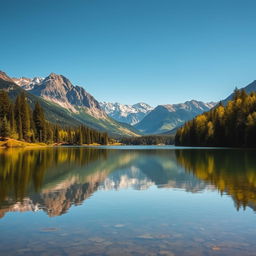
131 114
54 75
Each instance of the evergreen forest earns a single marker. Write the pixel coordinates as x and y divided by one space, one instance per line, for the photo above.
18 120
230 125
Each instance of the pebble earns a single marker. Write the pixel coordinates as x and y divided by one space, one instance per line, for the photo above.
146 236
97 239
166 253
119 225
216 248
48 229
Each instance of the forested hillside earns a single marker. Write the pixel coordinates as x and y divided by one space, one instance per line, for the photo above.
232 125
149 140
19 121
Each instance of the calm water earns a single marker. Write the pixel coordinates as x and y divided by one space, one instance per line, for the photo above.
128 201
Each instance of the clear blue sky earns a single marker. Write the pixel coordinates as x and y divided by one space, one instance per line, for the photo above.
155 51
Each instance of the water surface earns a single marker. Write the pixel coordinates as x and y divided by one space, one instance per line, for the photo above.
127 201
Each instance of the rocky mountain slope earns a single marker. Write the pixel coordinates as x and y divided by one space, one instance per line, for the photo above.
130 114
167 117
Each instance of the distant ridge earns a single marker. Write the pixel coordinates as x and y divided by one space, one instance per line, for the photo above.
165 118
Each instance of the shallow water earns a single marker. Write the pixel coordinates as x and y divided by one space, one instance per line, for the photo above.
127 201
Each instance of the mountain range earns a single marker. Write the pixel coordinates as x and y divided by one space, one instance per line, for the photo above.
131 114
68 104
165 118
107 116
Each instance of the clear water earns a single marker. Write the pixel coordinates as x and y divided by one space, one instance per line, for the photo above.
128 201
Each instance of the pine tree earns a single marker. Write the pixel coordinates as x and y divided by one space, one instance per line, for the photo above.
4 104
25 118
5 128
12 122
56 135
17 115
39 122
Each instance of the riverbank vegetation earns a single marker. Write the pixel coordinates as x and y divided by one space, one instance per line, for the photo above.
233 125
20 122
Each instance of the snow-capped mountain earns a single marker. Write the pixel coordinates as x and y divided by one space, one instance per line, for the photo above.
131 114
167 117
28 83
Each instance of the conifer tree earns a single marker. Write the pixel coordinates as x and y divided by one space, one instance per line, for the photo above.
39 122
17 115
12 122
5 128
4 104
25 118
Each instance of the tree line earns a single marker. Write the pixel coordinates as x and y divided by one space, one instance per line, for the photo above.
232 125
149 140
19 121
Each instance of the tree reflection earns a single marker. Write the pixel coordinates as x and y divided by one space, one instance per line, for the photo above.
26 173
231 171
54 179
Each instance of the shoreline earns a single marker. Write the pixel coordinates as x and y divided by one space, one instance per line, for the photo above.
12 143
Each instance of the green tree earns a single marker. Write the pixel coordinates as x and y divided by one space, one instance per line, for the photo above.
39 122
5 128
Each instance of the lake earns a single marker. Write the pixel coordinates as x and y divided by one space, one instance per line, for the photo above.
128 201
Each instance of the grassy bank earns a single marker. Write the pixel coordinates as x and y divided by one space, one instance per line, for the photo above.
12 143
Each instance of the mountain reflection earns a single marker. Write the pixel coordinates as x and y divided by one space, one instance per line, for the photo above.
54 179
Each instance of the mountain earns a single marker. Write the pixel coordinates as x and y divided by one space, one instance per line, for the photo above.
53 113
63 103
167 117
249 88
59 90
130 114
79 104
